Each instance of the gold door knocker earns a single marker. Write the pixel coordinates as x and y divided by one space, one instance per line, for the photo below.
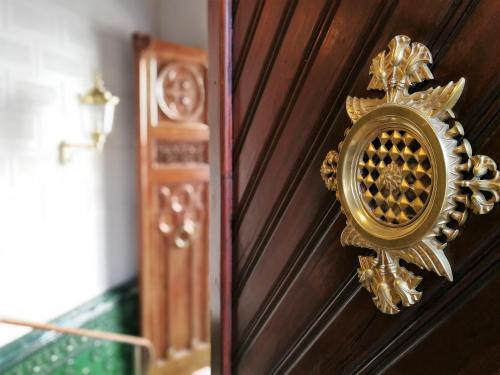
404 177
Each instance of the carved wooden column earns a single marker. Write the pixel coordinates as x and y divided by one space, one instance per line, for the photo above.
173 177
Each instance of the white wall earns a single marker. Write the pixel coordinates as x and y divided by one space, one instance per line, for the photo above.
67 233
183 22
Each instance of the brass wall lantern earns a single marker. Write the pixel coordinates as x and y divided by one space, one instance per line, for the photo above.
405 175
98 116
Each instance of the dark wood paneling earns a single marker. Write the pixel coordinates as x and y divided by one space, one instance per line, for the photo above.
293 60
297 302
271 26
244 26
285 169
470 53
370 340
473 330
462 252
310 199
316 107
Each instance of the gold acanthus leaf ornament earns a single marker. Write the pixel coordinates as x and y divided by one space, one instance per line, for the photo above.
405 175
329 170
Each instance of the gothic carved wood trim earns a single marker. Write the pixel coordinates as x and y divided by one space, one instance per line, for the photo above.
168 152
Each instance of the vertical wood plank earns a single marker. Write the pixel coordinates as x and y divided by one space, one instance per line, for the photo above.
221 184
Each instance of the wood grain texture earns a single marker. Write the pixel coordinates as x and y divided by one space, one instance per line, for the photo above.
268 197
371 341
297 303
221 186
272 25
474 330
292 60
244 26
280 116
290 231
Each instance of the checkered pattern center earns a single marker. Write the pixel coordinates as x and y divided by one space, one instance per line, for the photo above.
395 177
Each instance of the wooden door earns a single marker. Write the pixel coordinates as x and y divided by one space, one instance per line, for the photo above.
296 303
173 175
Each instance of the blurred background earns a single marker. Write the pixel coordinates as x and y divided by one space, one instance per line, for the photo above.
70 230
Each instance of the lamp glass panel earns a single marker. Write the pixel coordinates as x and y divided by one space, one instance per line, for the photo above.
109 114
93 118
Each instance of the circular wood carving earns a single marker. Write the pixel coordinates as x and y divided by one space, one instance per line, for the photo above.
180 91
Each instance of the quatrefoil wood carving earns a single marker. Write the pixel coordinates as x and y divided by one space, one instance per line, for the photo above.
405 175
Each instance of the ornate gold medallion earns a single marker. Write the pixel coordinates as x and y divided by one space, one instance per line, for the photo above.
405 175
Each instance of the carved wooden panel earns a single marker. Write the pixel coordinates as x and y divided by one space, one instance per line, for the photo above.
181 152
173 183
180 91
182 229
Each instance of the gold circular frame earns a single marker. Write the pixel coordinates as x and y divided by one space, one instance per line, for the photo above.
391 117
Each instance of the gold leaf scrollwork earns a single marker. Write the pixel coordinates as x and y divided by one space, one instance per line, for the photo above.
390 283
329 170
481 167
403 65
408 148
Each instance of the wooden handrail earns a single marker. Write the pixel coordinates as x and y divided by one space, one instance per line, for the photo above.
137 342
